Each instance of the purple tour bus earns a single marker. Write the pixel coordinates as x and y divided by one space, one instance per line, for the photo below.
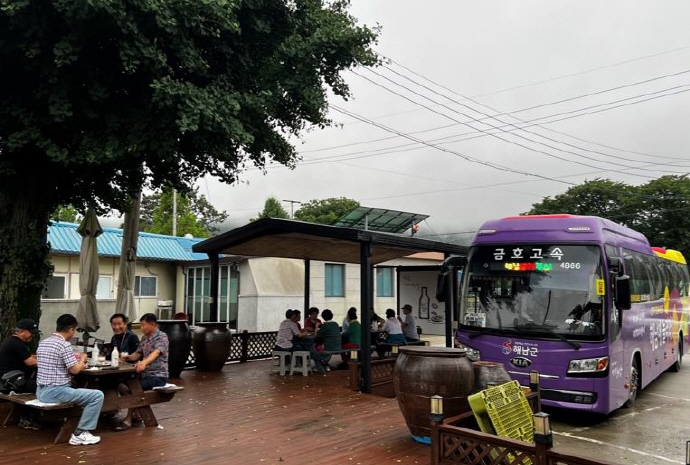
583 301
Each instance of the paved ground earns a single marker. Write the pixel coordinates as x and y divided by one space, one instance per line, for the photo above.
654 432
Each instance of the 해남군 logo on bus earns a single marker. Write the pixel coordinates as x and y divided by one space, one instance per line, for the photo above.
520 362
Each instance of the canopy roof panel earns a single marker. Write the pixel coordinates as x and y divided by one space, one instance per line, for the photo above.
380 219
273 237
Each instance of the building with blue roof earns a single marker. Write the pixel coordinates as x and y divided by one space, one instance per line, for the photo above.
170 279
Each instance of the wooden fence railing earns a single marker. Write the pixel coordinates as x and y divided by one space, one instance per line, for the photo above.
245 346
457 441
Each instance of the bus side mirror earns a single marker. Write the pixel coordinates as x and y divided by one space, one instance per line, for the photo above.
622 292
444 278
615 265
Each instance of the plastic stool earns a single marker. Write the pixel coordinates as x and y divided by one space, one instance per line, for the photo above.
304 357
283 365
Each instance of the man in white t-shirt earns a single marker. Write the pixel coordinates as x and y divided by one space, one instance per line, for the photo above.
409 324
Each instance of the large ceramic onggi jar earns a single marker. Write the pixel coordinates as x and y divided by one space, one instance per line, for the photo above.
211 343
421 372
180 341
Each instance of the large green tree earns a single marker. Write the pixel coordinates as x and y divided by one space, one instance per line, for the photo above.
100 99
272 209
195 215
599 197
658 209
325 211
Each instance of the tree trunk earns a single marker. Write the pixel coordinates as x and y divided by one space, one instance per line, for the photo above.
25 207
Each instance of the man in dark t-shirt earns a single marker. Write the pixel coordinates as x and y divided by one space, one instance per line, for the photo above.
126 341
15 354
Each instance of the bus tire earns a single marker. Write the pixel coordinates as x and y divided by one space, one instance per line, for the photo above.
634 384
679 361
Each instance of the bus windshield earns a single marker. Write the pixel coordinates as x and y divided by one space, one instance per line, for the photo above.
540 290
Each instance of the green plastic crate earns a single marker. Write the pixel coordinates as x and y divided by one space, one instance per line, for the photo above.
503 410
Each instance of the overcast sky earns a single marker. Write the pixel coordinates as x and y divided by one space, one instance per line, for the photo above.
577 90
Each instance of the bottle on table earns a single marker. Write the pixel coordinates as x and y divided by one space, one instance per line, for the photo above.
114 358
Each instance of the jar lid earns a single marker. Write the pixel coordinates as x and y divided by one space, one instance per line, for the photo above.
432 351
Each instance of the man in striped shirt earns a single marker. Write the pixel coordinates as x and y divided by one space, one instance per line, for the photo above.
56 364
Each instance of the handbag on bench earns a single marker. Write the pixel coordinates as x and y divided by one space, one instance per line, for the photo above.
14 380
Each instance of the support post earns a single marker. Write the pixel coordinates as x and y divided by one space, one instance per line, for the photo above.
366 307
215 278
307 283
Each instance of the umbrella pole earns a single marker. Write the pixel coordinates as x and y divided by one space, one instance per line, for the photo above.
86 337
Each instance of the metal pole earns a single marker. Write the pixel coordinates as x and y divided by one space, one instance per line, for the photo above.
367 305
174 213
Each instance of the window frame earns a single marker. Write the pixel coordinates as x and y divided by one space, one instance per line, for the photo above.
65 283
385 289
329 280
137 286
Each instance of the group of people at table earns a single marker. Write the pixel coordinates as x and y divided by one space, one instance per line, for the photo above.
322 338
49 373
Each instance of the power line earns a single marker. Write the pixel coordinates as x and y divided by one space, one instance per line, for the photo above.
512 113
494 127
453 152
527 123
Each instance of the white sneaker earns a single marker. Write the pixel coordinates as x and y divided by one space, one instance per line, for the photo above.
84 439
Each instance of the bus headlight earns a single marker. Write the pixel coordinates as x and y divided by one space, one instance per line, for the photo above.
588 365
473 355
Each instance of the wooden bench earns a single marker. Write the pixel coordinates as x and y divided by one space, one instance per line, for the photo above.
57 411
69 414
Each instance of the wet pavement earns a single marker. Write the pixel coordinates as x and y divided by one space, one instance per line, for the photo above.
653 432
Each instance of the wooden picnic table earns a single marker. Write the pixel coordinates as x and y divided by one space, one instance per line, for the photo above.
107 380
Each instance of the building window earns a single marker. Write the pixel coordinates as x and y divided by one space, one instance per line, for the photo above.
105 287
145 286
384 282
198 294
335 280
56 287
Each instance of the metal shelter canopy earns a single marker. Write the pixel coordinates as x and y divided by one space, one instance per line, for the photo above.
380 219
273 237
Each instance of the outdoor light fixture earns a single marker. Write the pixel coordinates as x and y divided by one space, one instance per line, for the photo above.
436 408
687 452
534 381
353 355
394 350
542 429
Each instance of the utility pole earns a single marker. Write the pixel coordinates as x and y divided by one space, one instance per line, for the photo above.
174 215
292 207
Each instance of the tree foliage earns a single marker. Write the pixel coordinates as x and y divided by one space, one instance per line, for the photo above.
195 215
66 213
272 209
658 209
325 211
100 99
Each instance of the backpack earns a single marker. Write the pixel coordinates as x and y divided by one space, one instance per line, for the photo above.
14 380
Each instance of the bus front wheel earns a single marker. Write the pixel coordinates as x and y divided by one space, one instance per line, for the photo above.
634 384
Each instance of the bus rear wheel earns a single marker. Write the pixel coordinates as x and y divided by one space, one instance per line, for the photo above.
634 384
679 361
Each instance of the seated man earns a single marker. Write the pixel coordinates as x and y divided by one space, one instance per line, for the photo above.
56 362
288 331
125 340
152 360
15 355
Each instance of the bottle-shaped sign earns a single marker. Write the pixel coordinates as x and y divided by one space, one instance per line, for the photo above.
424 302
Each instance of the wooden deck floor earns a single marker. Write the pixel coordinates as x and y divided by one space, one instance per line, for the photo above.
244 415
